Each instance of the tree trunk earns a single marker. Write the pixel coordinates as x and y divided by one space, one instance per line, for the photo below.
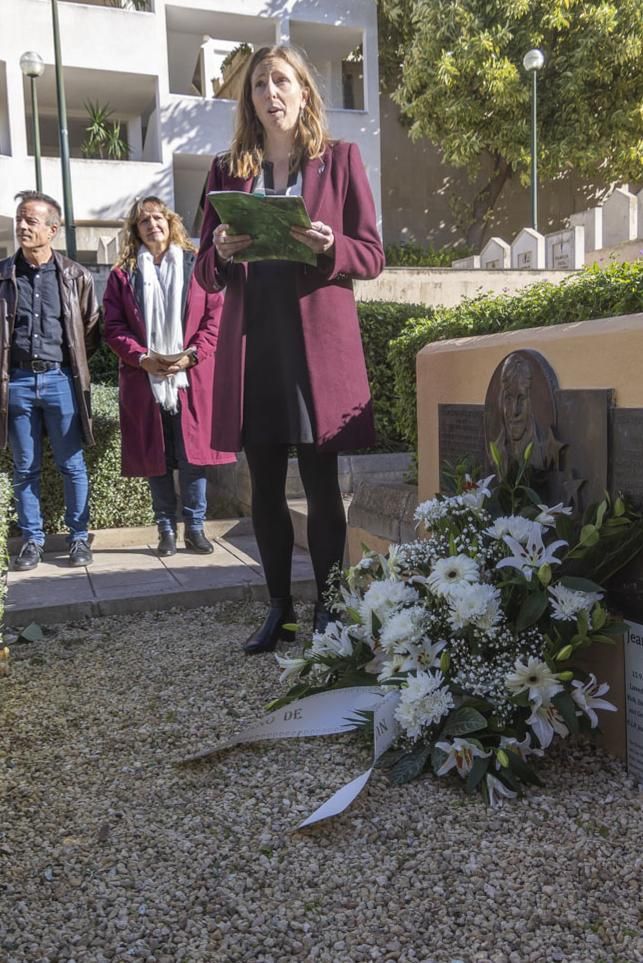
485 200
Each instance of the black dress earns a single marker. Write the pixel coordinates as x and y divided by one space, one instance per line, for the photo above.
277 400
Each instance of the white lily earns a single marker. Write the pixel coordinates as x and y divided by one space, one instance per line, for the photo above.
517 526
460 755
529 558
291 667
547 516
524 749
476 493
587 698
545 722
498 792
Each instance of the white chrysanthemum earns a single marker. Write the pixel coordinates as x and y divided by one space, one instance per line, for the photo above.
334 640
418 656
517 526
477 605
536 678
403 627
452 571
423 702
567 603
382 598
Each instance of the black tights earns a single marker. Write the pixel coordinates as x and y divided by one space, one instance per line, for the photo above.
268 466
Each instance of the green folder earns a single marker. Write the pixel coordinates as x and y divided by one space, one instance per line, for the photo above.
268 219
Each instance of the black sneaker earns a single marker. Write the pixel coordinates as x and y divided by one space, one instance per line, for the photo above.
80 553
28 557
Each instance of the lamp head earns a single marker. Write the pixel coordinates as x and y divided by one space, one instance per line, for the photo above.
32 64
533 60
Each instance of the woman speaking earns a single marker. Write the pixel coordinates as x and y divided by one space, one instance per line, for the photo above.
290 364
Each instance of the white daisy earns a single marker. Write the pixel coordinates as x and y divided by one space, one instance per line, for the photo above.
423 702
536 678
448 572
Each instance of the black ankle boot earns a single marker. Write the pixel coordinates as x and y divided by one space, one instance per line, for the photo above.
321 617
265 638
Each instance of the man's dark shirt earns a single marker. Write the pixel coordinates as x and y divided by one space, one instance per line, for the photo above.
38 330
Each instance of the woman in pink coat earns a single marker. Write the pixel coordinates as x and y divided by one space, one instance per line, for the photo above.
164 327
290 363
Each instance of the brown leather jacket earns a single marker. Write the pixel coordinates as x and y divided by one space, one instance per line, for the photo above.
80 321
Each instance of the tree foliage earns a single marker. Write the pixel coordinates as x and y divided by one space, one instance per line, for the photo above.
455 69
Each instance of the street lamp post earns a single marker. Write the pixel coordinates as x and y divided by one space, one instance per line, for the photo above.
33 66
533 61
70 227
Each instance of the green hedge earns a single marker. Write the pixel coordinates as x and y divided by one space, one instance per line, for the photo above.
381 322
414 255
115 502
592 293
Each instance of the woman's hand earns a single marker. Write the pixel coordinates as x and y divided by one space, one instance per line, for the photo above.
228 245
155 366
185 361
318 237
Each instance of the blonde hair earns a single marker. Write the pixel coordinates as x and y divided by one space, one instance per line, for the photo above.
131 240
311 137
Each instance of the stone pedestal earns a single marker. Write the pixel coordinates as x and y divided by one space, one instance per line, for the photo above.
620 217
495 255
528 250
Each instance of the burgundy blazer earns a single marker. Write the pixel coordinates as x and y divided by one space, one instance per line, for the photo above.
336 191
142 444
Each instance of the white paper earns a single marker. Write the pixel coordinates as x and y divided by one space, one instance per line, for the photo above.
634 700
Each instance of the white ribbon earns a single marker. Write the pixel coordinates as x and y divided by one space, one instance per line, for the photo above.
324 714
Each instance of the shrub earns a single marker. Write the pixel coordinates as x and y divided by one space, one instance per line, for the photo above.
115 502
592 293
380 322
413 255
103 366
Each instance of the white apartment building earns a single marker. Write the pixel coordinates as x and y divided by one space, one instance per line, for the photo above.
157 64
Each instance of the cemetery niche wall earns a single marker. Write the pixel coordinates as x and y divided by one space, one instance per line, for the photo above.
575 392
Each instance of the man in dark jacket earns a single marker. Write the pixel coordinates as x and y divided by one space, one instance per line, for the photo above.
48 329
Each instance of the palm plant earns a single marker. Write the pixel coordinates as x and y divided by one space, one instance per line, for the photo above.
103 136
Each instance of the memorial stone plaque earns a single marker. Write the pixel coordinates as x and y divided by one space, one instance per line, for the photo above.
634 700
626 453
461 433
583 430
565 250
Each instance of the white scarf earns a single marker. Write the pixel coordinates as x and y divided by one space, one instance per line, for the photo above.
162 294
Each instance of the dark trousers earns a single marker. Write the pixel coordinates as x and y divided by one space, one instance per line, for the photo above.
268 466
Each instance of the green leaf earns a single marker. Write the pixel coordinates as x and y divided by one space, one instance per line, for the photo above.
522 769
567 708
438 758
531 610
580 584
410 766
463 720
477 772
589 535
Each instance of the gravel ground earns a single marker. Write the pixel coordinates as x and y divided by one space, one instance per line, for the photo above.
111 852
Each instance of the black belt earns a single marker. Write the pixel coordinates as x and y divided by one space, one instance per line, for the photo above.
38 366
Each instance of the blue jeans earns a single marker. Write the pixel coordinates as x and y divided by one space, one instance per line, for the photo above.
47 401
192 482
